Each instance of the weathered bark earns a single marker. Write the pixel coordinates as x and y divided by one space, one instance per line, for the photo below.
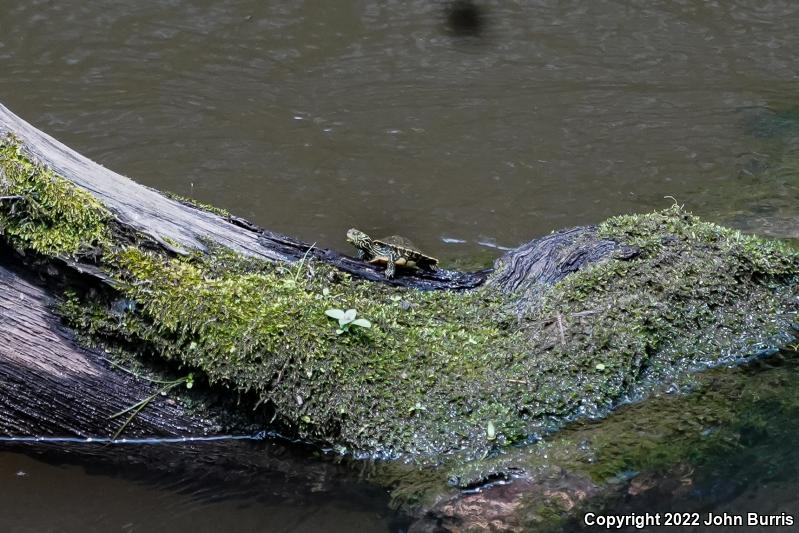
547 260
53 387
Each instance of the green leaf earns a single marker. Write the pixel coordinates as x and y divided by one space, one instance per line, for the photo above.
362 322
349 316
338 314
491 431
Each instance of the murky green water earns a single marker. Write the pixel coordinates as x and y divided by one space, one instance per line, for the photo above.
311 117
756 470
63 497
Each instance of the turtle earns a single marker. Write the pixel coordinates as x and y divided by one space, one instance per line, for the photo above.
393 251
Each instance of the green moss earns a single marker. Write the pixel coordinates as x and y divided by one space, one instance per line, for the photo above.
439 372
52 216
680 232
697 295
415 381
438 368
224 213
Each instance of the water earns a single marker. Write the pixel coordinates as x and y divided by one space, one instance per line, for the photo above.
312 117
761 476
43 497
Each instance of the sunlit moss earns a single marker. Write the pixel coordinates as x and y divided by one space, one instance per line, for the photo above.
437 370
224 213
51 216
406 384
673 228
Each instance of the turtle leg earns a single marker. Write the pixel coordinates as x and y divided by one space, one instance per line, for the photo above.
360 254
390 268
430 267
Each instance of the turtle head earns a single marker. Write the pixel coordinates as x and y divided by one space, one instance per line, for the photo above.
358 238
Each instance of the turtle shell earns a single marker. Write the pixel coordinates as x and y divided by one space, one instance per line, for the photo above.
406 249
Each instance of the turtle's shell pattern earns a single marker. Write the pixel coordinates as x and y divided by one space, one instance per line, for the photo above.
406 249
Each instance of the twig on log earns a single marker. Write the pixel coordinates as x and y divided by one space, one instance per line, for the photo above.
562 330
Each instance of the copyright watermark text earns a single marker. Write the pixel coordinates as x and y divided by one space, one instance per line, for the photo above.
640 521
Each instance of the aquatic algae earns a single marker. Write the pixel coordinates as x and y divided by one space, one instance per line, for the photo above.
734 425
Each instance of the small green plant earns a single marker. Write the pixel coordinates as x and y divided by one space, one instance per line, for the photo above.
491 431
347 319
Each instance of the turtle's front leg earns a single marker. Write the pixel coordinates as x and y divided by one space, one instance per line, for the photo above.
360 254
390 268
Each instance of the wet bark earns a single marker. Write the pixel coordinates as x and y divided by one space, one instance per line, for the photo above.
51 386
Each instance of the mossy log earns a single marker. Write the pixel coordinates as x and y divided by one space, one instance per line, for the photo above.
54 386
51 387
456 368
35 341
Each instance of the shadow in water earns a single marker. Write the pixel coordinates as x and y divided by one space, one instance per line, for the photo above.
465 18
249 486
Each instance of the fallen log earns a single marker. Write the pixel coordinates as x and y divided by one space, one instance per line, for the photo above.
179 227
54 387
57 399
464 367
